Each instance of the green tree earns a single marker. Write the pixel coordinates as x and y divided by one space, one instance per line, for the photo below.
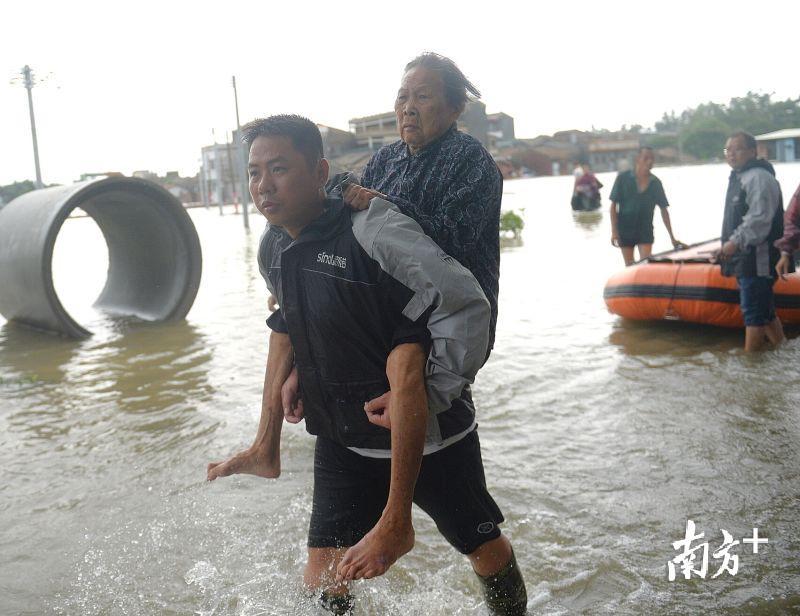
703 129
12 191
705 137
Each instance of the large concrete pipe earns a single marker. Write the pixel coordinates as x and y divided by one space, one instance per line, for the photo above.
154 258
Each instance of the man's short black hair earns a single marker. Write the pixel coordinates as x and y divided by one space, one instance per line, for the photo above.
456 85
302 132
747 139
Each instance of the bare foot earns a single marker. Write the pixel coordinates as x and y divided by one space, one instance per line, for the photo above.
245 462
377 551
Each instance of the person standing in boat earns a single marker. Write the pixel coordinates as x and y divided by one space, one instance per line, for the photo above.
790 242
634 197
753 221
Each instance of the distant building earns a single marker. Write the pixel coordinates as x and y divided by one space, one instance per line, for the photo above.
780 146
575 137
613 154
222 172
99 174
500 130
474 122
336 142
375 131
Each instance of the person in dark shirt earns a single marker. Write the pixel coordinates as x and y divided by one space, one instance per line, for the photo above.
634 197
423 331
442 178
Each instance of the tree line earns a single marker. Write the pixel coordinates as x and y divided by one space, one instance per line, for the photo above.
701 131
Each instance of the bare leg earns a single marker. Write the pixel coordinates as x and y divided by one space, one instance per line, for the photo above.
627 254
393 535
645 250
503 585
774 331
492 556
319 578
754 338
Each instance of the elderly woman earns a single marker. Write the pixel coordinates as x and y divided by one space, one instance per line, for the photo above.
439 176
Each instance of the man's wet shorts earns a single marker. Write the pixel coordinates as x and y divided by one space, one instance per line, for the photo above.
630 237
350 492
756 299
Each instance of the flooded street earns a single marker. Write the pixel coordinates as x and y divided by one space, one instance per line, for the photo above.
600 438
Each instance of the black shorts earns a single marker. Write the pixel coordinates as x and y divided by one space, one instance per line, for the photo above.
628 238
350 492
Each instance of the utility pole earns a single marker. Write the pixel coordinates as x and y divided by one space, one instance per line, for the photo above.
231 172
27 76
245 186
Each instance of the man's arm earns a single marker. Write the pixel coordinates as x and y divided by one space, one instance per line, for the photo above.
668 225
614 224
263 457
614 197
763 198
393 534
459 312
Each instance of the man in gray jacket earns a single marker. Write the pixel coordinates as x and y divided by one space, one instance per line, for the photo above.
368 303
753 221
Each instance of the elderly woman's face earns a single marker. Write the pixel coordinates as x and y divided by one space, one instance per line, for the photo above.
423 114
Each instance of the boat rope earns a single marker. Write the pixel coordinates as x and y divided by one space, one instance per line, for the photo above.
670 314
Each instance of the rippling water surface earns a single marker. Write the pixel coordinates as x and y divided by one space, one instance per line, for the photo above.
600 439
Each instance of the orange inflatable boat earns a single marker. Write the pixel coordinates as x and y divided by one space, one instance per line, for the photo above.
683 285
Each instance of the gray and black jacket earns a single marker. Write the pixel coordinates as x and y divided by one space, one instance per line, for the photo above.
753 220
351 287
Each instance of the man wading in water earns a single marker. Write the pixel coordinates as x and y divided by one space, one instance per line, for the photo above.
634 197
368 303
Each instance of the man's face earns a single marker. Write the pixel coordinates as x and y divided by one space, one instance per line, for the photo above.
645 160
737 154
283 187
423 114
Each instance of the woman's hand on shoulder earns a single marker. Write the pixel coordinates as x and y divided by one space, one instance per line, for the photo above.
358 197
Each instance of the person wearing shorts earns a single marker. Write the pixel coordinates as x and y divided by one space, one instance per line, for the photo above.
752 223
368 304
634 197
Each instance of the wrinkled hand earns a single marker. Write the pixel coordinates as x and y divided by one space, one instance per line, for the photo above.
377 411
358 197
247 462
782 267
291 401
272 303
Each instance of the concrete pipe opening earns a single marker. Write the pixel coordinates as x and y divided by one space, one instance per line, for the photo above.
154 257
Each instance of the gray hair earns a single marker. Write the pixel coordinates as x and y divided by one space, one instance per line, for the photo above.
456 85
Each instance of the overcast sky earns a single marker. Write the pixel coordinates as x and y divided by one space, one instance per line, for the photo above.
141 85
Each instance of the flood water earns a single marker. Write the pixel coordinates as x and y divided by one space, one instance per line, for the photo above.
601 438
